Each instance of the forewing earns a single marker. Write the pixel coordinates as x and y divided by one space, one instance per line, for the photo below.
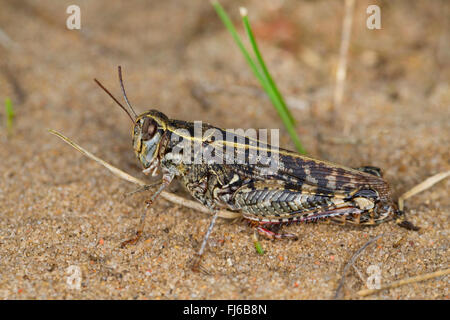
261 162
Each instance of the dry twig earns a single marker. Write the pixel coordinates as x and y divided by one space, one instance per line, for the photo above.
352 260
395 284
428 183
341 72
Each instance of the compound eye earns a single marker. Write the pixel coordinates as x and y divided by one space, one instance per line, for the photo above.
149 129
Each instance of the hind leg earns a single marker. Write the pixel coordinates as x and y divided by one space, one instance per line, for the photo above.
270 230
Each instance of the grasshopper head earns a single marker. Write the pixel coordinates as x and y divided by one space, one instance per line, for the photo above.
148 130
147 133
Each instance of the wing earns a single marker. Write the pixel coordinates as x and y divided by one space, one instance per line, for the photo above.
254 159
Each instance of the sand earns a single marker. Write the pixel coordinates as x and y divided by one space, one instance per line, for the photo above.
63 217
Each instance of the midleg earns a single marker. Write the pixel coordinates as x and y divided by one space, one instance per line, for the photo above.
166 179
198 256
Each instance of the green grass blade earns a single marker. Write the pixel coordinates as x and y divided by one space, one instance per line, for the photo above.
257 244
9 114
262 74
258 54
258 248
229 25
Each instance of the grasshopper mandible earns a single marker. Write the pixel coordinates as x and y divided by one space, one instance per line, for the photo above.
301 189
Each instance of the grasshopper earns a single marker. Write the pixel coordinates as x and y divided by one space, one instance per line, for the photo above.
301 189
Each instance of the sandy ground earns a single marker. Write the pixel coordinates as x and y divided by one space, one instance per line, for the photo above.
61 213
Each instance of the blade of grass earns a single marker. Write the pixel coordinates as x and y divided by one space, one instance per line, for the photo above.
9 115
258 54
229 25
396 284
428 183
272 90
257 244
279 105
341 72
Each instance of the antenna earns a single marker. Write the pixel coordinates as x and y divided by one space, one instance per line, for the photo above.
124 93
109 93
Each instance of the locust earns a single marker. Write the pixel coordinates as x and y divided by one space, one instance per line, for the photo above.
300 189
